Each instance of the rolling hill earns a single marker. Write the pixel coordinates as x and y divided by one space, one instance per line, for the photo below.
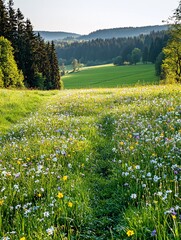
104 33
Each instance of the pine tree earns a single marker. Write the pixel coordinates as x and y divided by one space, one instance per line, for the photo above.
54 81
4 24
12 31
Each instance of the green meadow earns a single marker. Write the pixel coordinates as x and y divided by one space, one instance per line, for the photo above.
97 164
111 76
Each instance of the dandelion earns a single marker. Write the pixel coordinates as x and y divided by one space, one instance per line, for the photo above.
60 195
130 233
65 178
70 204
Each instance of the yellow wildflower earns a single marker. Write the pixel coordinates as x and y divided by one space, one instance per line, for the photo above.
39 195
1 202
23 238
70 204
121 143
60 195
64 178
173 216
130 233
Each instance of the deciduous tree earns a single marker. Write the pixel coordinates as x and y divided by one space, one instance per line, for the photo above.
172 63
10 76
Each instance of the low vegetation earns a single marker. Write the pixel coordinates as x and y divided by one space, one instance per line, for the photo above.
93 164
111 76
18 104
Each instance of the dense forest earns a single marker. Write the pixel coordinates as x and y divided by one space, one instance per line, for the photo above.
100 51
36 59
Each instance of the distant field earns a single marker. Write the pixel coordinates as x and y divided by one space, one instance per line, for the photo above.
110 76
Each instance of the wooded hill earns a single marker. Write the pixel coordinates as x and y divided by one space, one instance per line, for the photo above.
123 32
51 36
103 33
100 51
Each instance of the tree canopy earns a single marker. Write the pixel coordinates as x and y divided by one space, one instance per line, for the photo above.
10 76
172 63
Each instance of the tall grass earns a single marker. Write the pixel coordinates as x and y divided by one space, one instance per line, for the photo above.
94 164
17 104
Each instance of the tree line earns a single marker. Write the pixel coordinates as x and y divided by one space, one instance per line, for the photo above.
108 50
36 60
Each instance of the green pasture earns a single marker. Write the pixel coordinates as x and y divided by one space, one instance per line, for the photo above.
91 164
111 76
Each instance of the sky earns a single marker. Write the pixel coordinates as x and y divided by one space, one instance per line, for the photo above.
83 16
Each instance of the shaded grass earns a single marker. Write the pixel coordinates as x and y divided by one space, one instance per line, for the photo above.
111 76
18 104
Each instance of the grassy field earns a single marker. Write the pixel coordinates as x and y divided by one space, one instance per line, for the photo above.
15 105
110 76
98 164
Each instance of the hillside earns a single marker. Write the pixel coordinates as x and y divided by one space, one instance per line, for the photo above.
104 33
49 36
123 32
98 164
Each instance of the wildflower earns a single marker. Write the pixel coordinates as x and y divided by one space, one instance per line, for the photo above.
50 231
130 233
60 195
121 143
131 148
70 204
22 238
46 214
39 195
1 202
173 216
133 196
64 178
153 233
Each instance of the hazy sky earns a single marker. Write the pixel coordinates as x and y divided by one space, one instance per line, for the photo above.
81 16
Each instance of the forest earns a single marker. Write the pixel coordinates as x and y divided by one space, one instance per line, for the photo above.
100 51
33 62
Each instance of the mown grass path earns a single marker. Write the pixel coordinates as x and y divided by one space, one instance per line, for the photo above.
95 164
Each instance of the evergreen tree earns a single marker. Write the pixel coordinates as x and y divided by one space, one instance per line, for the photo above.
12 30
54 69
4 24
9 73
20 54
145 55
